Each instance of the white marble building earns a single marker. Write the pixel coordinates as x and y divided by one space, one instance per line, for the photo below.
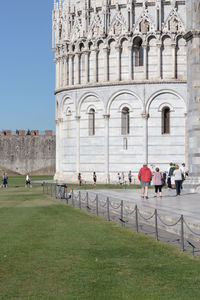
121 90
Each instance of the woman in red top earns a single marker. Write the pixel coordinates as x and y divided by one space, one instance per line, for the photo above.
145 177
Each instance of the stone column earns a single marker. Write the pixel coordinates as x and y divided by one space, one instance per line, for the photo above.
70 69
57 73
106 143
78 144
193 59
106 67
144 45
159 63
118 63
77 68
95 74
130 58
61 71
57 146
65 71
174 65
145 117
86 66
60 145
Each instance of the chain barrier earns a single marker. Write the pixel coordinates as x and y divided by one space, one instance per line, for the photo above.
146 219
103 205
114 207
92 201
169 225
195 233
128 212
125 210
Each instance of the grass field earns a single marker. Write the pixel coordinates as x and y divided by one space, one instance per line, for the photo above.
52 251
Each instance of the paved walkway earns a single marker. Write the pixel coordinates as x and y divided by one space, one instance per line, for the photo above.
169 204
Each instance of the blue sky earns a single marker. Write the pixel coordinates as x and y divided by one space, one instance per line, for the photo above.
27 78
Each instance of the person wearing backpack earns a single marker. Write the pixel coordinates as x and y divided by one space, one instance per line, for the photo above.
170 174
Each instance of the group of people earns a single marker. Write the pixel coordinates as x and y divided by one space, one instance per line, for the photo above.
5 180
94 178
120 179
175 177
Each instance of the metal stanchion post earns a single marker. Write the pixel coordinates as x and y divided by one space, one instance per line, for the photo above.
79 196
47 188
55 191
182 234
122 213
97 206
156 225
108 209
51 191
136 219
43 185
87 201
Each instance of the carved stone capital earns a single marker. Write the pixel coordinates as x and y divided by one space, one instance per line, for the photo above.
107 116
145 115
77 118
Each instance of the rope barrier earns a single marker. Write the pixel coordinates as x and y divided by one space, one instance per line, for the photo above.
146 219
169 225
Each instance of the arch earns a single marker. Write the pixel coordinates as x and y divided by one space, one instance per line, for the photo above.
150 36
99 41
166 35
160 108
152 97
138 50
125 105
125 121
116 94
122 39
165 120
91 122
91 106
137 36
81 100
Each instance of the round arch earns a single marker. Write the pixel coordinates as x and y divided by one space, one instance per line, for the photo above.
152 97
116 94
81 100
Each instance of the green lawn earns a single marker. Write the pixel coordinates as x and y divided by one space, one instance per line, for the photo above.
52 251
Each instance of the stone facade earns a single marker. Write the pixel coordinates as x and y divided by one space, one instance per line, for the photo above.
121 90
193 54
34 154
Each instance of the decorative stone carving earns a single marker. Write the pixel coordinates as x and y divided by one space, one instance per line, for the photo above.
144 23
118 25
173 23
96 27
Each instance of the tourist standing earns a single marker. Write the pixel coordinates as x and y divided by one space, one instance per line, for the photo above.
5 180
94 178
28 180
118 178
129 178
157 181
171 180
178 180
79 179
145 177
